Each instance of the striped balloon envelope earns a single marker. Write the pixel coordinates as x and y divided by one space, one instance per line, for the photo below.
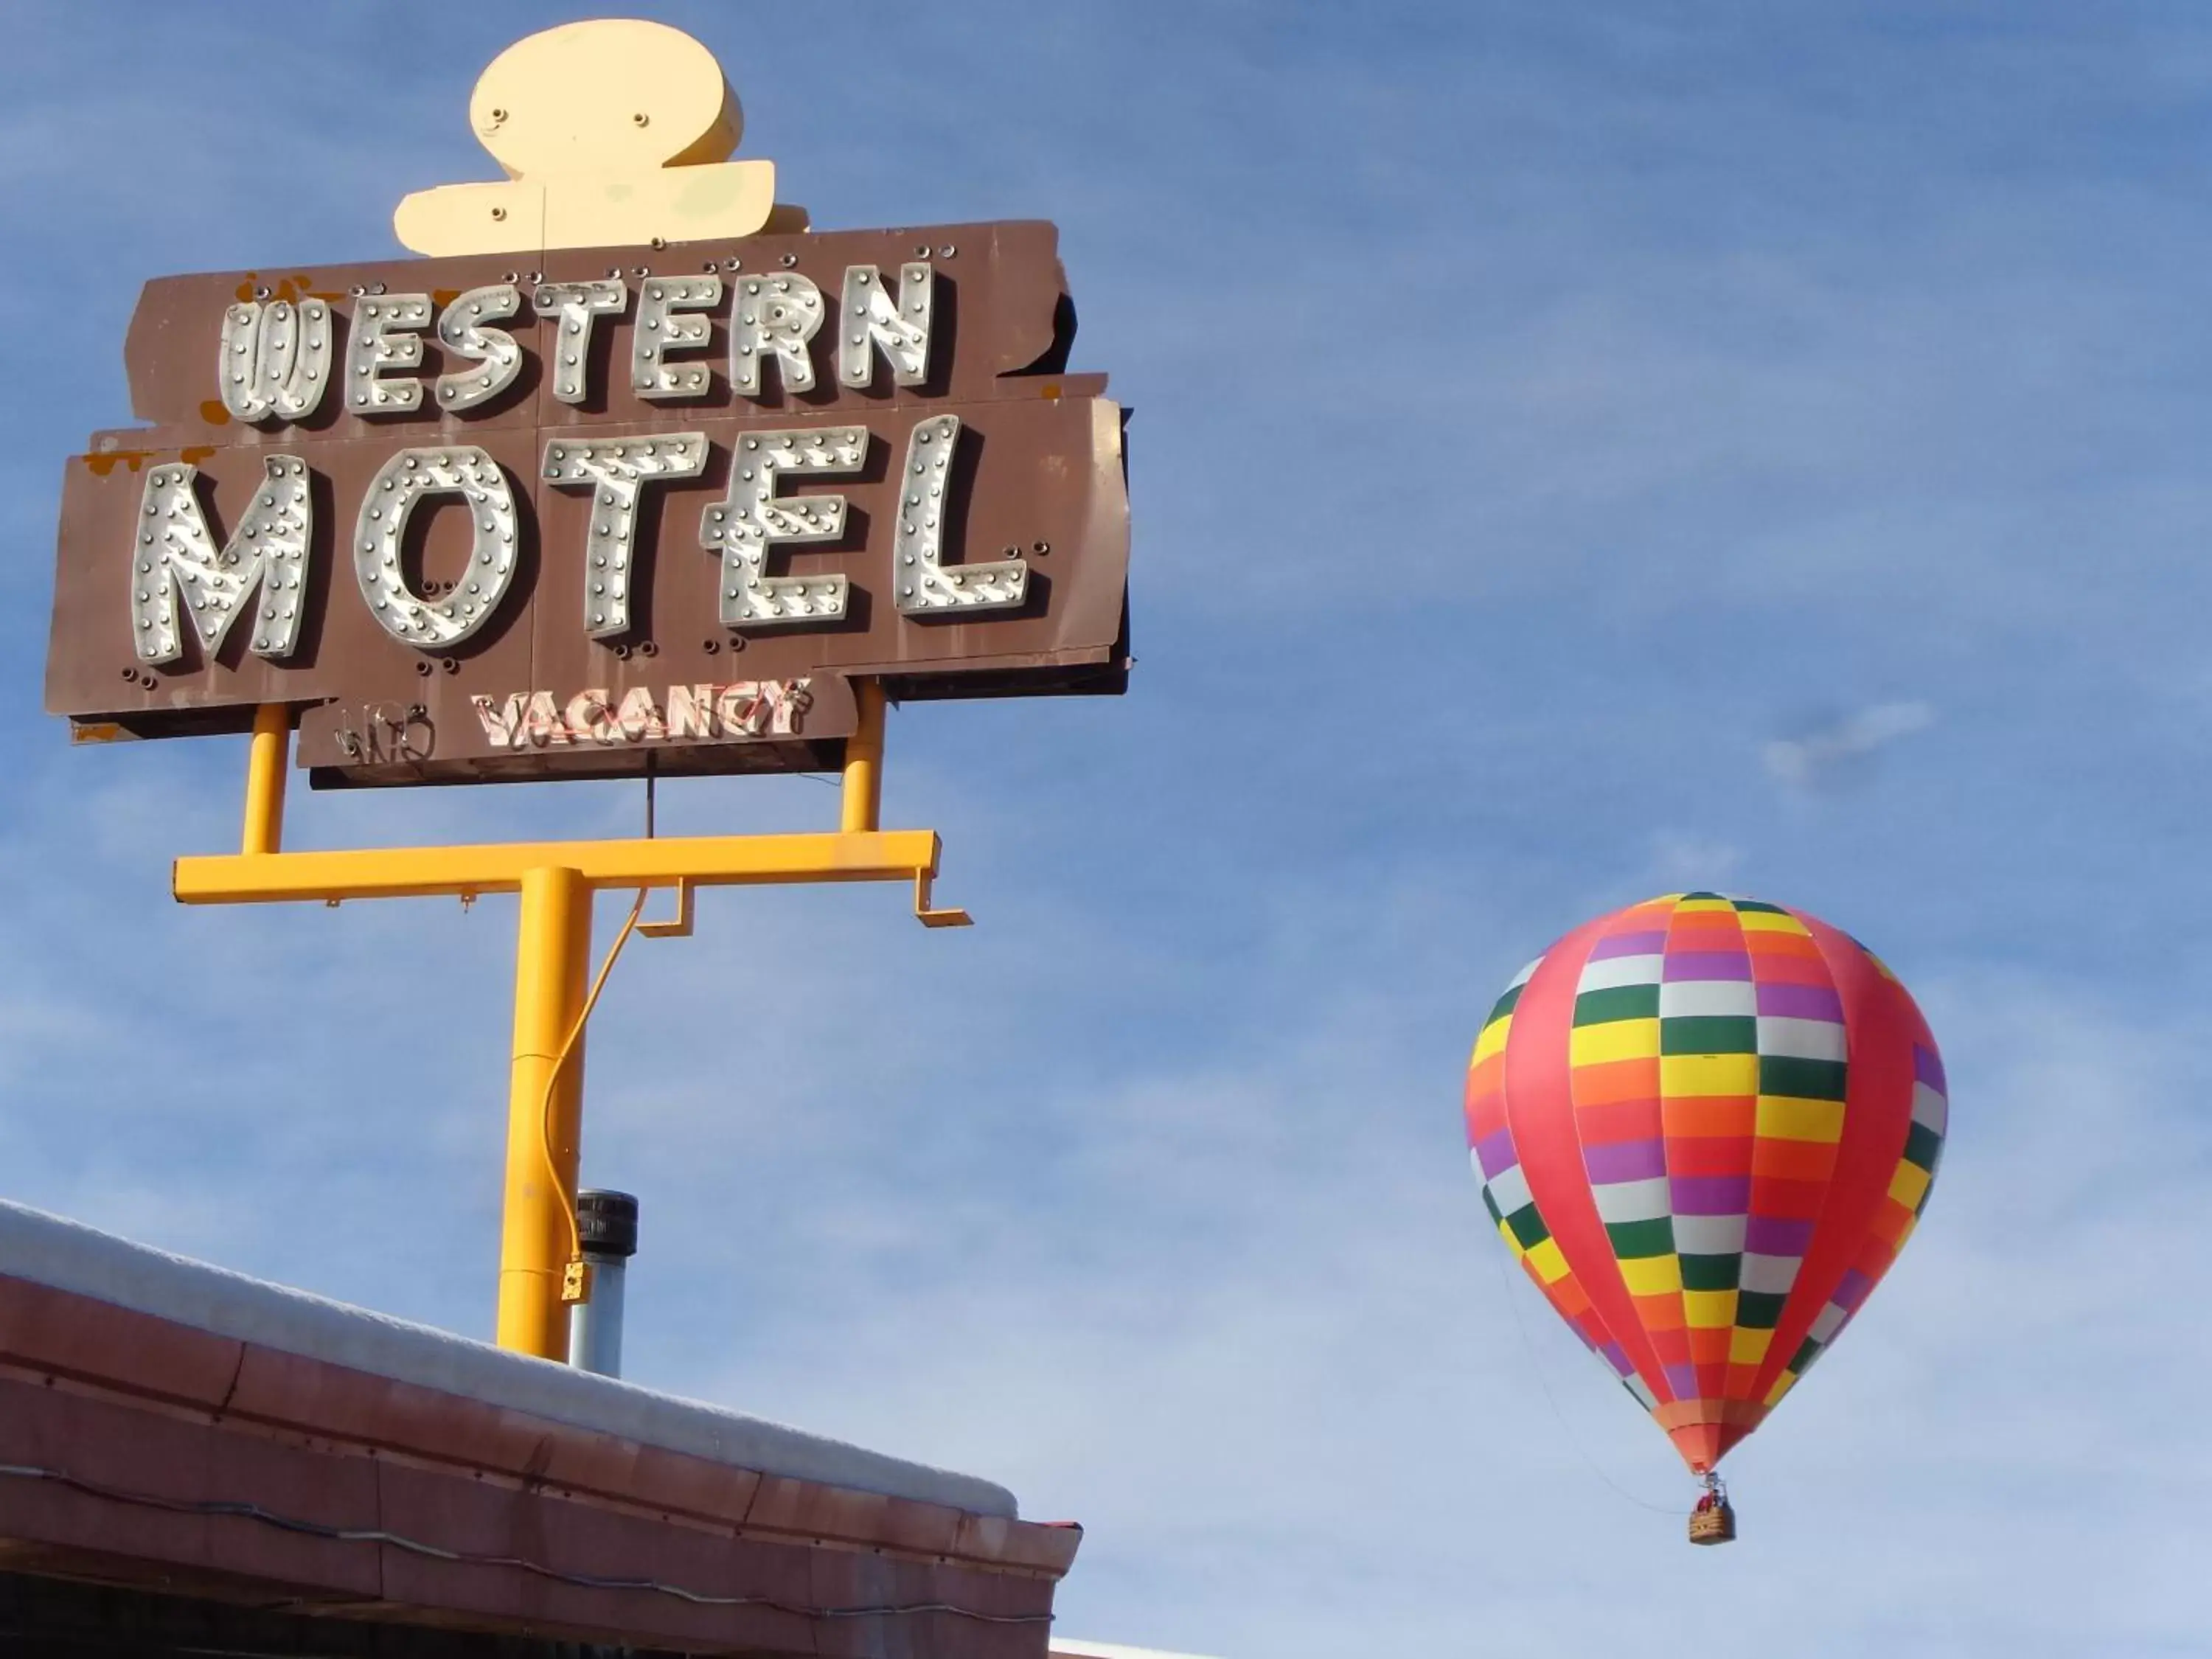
1706 1127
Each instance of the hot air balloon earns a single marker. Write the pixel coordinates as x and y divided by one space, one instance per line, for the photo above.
1705 1126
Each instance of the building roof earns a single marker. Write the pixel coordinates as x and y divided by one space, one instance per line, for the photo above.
167 1424
65 1255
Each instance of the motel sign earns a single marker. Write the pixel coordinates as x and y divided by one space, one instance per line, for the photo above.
484 518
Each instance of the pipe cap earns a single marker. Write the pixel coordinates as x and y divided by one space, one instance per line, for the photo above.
606 1223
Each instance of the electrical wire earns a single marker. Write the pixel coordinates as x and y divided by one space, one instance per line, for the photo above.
553 1080
467 1558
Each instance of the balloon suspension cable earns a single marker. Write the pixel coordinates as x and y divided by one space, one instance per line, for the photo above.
1567 1432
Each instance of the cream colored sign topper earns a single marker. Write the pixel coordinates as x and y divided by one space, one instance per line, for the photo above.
614 133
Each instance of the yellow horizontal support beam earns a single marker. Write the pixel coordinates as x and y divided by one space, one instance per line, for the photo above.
467 872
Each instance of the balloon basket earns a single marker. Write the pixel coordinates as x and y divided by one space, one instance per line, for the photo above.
1713 1521
1716 1525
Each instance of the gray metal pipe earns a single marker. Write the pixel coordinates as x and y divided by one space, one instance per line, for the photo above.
606 1224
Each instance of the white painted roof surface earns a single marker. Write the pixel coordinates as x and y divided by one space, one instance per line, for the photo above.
65 1255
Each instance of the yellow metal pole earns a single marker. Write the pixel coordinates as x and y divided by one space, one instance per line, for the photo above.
862 805
552 961
264 780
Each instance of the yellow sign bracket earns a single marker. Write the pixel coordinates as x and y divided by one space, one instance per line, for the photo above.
679 926
929 917
538 1258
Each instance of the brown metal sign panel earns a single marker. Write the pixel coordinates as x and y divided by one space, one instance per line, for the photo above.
614 509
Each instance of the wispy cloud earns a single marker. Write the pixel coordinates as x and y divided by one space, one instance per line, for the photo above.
1683 861
1830 753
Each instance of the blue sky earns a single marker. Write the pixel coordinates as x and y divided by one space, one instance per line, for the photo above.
1579 452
